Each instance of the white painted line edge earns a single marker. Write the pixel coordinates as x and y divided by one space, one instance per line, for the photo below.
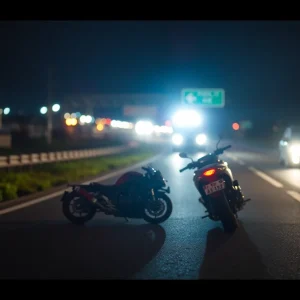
240 162
294 194
266 177
59 193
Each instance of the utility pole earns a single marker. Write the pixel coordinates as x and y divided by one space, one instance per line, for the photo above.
1 112
49 111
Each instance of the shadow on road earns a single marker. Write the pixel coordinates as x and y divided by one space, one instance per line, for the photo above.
231 257
66 251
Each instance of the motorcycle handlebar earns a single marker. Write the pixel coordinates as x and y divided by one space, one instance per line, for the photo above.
189 166
221 150
216 152
183 169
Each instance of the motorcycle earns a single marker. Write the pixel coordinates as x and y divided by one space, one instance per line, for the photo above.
221 195
134 195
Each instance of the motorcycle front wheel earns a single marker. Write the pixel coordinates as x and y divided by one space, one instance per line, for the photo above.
159 211
77 210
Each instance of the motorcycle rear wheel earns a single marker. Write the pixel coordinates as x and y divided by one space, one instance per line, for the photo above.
226 216
88 208
150 215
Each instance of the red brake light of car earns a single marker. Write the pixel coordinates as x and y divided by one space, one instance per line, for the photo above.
209 172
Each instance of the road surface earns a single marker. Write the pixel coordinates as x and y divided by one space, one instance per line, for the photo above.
38 242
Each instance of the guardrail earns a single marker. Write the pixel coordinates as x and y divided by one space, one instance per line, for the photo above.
50 157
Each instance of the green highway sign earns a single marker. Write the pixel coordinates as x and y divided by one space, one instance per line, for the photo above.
203 97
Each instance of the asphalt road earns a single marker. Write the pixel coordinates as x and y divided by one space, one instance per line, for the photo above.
38 242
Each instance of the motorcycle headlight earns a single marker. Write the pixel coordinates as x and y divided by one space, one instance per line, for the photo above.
201 139
177 139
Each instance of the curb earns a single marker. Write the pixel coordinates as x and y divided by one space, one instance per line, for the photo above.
35 198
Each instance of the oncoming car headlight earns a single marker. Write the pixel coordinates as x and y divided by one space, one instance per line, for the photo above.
295 154
201 139
177 139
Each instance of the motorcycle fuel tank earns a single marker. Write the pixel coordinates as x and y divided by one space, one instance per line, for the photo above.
129 176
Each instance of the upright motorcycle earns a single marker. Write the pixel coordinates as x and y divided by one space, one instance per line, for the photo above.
221 195
134 195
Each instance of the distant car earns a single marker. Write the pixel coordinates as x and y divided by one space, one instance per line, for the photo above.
289 147
185 140
188 131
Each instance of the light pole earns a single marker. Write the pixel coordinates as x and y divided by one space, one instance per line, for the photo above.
49 109
4 111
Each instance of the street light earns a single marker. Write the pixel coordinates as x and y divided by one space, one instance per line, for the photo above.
3 111
43 110
6 110
56 107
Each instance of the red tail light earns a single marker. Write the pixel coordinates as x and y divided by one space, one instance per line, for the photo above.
209 172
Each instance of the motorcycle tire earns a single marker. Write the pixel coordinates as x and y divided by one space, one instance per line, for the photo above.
73 219
226 216
165 216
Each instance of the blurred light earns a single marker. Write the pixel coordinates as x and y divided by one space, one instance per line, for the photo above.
144 127
6 110
295 153
201 139
73 115
67 115
177 139
296 159
187 118
168 123
100 127
71 122
56 107
82 119
88 119
1 111
235 126
131 125
157 129
43 110
113 123
163 129
78 114
209 172
125 125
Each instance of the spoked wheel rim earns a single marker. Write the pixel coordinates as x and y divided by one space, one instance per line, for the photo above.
157 209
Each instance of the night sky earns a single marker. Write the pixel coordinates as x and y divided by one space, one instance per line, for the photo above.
257 63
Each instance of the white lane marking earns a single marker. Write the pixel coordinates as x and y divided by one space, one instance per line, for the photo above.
240 162
266 177
294 194
59 193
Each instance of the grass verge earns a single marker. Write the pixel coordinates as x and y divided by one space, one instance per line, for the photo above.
17 184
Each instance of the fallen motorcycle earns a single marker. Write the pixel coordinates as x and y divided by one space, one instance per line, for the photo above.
134 195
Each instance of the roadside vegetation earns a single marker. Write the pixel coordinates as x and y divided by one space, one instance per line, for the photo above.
17 183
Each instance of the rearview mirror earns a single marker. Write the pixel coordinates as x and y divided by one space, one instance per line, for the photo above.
183 155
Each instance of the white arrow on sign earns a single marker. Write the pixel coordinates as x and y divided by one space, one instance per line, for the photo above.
190 98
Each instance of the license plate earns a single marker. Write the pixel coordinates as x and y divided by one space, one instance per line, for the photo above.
214 187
